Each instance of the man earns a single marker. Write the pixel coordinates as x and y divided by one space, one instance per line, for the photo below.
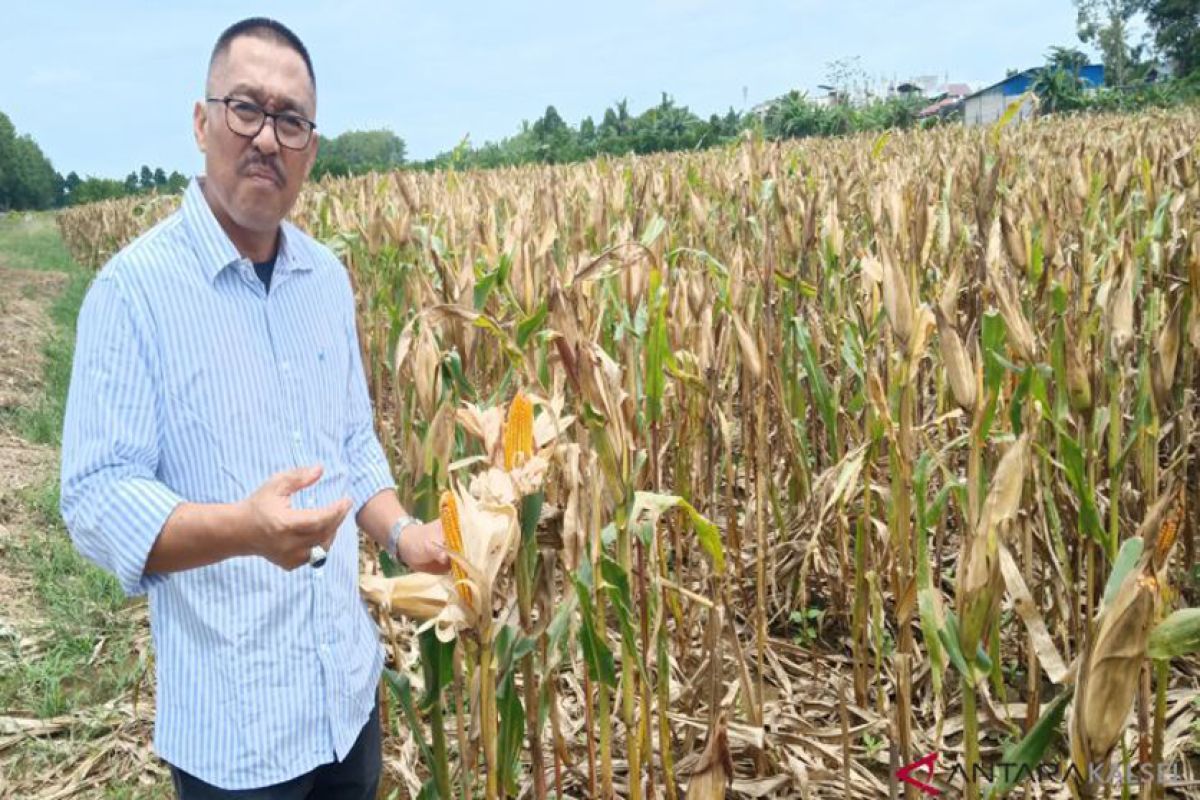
219 451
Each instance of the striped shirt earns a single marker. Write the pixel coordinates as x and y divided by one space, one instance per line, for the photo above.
192 383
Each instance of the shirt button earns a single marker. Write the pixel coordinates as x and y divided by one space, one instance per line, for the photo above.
325 649
296 435
286 366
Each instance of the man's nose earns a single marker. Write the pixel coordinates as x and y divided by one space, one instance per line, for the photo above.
265 141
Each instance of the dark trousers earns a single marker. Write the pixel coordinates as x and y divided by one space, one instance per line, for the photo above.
356 778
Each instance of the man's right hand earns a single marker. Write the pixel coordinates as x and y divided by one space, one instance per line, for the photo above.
284 535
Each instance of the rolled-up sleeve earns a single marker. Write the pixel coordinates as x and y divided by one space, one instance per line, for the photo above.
369 469
113 504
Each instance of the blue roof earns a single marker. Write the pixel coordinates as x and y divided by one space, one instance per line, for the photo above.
1019 83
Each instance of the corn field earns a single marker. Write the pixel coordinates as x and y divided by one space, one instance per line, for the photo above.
774 468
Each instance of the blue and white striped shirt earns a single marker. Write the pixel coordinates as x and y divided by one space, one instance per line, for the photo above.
190 382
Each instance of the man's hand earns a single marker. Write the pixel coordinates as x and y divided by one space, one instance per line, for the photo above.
423 548
284 535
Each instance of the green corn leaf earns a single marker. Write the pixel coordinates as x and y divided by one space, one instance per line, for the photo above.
532 323
658 348
401 688
1021 758
1177 635
1037 258
653 230
512 732
649 506
1020 396
1007 117
437 667
1127 557
527 552
948 636
483 288
818 384
880 143
617 585
596 653
1070 452
929 629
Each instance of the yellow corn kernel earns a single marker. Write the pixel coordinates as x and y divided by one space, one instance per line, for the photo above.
451 530
1168 532
518 432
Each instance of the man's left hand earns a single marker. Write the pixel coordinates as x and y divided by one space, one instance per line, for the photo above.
423 548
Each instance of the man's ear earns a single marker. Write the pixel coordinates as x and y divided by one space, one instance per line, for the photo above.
200 126
312 153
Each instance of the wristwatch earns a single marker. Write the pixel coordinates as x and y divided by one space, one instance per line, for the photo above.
393 545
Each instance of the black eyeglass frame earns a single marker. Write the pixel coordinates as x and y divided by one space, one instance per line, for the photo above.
273 116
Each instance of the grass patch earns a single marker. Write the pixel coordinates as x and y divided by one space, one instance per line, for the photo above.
33 242
88 656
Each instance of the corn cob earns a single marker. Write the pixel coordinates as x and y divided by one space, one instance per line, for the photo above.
448 512
518 432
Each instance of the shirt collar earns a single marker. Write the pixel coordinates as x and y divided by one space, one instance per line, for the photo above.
217 250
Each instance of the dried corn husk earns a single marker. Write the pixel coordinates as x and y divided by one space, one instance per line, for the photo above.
981 584
898 302
1120 318
1165 357
959 370
1079 380
481 540
1110 670
715 768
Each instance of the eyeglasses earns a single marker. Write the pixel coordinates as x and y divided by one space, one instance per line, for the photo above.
246 119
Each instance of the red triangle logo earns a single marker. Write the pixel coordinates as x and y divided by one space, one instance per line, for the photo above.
928 762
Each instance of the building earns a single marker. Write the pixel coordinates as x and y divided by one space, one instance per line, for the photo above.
946 101
988 105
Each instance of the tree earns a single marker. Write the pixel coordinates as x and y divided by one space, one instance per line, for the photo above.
91 189
357 152
27 178
8 138
1058 84
1105 24
160 178
553 139
147 178
1068 59
131 183
33 182
1176 28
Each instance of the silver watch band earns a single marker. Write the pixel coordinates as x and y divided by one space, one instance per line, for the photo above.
397 528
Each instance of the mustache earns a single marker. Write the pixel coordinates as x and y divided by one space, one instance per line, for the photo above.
255 160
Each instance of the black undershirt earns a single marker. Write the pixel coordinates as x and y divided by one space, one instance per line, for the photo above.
265 270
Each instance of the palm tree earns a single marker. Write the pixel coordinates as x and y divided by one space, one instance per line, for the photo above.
1067 59
1058 84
